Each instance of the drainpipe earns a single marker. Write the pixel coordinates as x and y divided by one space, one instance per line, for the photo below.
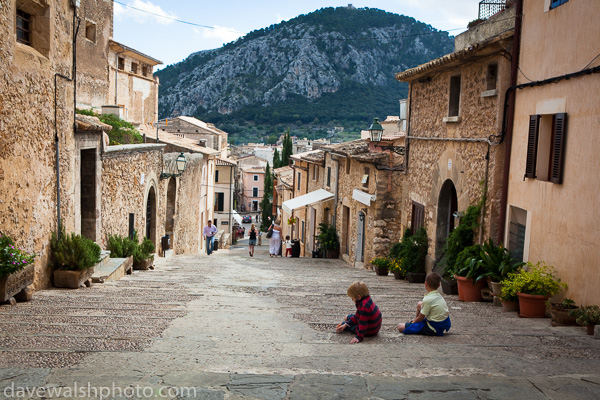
485 187
73 79
231 197
510 119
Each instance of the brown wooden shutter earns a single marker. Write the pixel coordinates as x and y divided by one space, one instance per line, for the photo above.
532 143
418 217
558 146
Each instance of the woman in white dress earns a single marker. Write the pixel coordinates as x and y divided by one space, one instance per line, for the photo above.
275 241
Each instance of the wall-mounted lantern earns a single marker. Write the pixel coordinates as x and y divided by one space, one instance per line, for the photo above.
376 133
180 164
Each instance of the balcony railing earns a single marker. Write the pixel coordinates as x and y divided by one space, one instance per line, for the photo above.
487 8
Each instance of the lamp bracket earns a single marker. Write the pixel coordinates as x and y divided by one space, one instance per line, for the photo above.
167 175
400 150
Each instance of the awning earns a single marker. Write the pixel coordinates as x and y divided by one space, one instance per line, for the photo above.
362 197
306 199
237 217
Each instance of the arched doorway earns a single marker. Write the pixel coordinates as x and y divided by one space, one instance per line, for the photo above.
170 222
360 238
447 206
151 215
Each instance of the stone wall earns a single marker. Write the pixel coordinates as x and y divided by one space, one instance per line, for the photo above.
28 210
92 53
191 203
431 163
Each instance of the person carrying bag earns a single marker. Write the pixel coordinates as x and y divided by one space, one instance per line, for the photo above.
270 232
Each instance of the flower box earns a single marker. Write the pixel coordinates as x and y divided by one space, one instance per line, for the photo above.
73 279
144 264
16 282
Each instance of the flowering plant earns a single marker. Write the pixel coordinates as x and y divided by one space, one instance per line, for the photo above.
381 262
395 265
539 279
12 258
292 221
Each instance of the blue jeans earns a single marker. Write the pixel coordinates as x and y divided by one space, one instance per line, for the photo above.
209 244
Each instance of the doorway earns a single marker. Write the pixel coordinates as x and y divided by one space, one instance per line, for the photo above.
360 238
311 229
151 215
88 193
447 207
171 194
346 230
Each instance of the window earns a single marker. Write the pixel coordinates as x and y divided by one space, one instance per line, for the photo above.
23 27
347 165
134 67
302 237
545 147
216 176
254 192
556 3
326 213
418 217
90 31
454 105
328 176
255 178
219 201
315 172
299 176
492 76
121 65
365 178
32 18
144 70
516 232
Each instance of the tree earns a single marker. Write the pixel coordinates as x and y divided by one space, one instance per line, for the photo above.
266 204
287 150
276 159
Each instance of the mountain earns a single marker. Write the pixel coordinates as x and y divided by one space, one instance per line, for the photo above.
332 67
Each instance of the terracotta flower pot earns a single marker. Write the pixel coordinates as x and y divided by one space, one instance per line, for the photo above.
496 288
590 329
449 286
561 317
469 291
532 305
398 275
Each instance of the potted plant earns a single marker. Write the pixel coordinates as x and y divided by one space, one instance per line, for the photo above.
508 293
124 247
74 257
470 274
395 266
497 262
533 286
328 239
16 270
588 316
414 254
561 313
143 256
381 265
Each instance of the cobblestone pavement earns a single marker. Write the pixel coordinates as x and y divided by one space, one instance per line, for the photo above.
228 326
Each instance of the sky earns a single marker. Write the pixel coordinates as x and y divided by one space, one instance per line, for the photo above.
157 32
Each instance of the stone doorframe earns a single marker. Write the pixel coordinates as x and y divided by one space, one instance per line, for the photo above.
151 184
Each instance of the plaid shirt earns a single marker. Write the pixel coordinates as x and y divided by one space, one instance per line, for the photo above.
368 318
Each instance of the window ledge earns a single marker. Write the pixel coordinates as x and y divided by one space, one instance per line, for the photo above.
489 93
452 119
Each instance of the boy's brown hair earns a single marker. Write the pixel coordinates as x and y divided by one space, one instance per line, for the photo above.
358 290
433 280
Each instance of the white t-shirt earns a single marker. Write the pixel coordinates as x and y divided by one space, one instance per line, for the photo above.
288 244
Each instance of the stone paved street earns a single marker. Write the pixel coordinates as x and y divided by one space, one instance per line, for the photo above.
235 327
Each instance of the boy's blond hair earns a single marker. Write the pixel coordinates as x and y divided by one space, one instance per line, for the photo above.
357 290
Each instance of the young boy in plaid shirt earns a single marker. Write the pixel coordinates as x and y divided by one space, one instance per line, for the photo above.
367 320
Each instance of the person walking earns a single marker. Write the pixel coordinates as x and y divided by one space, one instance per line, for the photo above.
275 241
251 240
209 236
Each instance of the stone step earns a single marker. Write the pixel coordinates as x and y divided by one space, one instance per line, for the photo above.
112 269
104 258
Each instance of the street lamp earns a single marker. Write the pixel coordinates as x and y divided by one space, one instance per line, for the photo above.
179 163
376 132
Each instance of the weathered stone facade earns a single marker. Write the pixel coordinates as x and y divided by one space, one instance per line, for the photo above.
454 153
28 200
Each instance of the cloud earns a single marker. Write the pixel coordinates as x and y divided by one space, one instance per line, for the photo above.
143 12
222 33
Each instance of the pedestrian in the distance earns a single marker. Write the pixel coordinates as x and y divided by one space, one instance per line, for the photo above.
252 240
275 241
209 236
288 246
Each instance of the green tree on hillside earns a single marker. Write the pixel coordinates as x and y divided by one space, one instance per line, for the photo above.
266 204
287 150
276 159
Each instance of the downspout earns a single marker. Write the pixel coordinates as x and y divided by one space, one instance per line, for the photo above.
485 188
510 119
230 197
337 185
56 139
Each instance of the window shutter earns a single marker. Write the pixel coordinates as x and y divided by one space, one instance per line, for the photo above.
532 142
558 146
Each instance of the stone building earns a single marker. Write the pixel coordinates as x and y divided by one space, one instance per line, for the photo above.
205 134
368 185
37 126
224 194
283 190
552 205
247 185
454 148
